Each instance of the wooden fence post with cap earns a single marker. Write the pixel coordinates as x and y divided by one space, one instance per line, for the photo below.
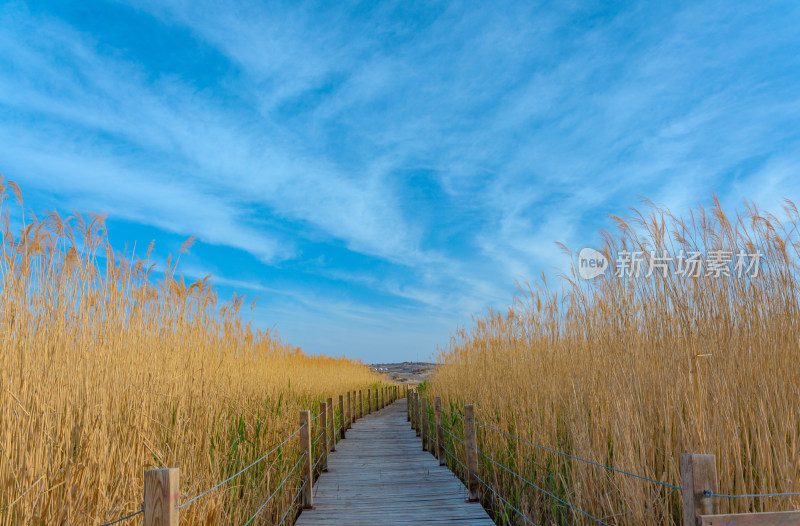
698 476
332 424
341 417
369 401
471 448
161 495
360 404
306 463
423 411
439 451
323 426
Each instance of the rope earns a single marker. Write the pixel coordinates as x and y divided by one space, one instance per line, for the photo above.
709 493
580 459
456 459
319 415
293 501
276 489
124 518
455 437
242 471
504 500
314 469
452 413
540 489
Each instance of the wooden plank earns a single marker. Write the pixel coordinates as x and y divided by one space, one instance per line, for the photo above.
380 476
776 518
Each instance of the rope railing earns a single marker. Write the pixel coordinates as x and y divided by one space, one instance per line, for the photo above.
622 472
708 493
505 501
453 413
294 500
698 471
121 519
276 489
160 484
523 479
241 471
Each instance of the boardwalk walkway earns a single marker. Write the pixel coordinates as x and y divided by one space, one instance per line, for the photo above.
380 475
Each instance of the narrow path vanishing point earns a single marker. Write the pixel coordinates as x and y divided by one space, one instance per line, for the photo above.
380 475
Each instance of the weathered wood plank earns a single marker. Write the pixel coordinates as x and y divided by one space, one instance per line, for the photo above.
776 518
379 475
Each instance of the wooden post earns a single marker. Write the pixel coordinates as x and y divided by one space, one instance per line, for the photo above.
332 424
369 400
418 413
414 410
437 407
341 417
423 411
360 404
408 409
349 416
698 475
471 448
161 497
305 465
323 426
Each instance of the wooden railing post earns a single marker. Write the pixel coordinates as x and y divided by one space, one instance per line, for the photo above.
323 426
439 451
161 494
698 475
332 424
423 411
471 448
418 413
408 409
360 404
305 465
369 400
354 413
341 417
349 416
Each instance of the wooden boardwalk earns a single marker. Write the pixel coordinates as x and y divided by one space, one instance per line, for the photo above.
380 475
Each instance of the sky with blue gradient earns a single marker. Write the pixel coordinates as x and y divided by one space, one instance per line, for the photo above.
378 173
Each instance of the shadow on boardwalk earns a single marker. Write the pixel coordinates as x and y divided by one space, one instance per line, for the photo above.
380 475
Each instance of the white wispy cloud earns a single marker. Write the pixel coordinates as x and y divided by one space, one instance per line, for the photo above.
528 124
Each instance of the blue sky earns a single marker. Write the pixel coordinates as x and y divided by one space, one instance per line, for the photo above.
378 173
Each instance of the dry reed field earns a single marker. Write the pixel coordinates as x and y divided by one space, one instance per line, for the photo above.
108 369
631 372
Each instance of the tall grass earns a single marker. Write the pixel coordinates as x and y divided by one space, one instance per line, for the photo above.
633 371
107 369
